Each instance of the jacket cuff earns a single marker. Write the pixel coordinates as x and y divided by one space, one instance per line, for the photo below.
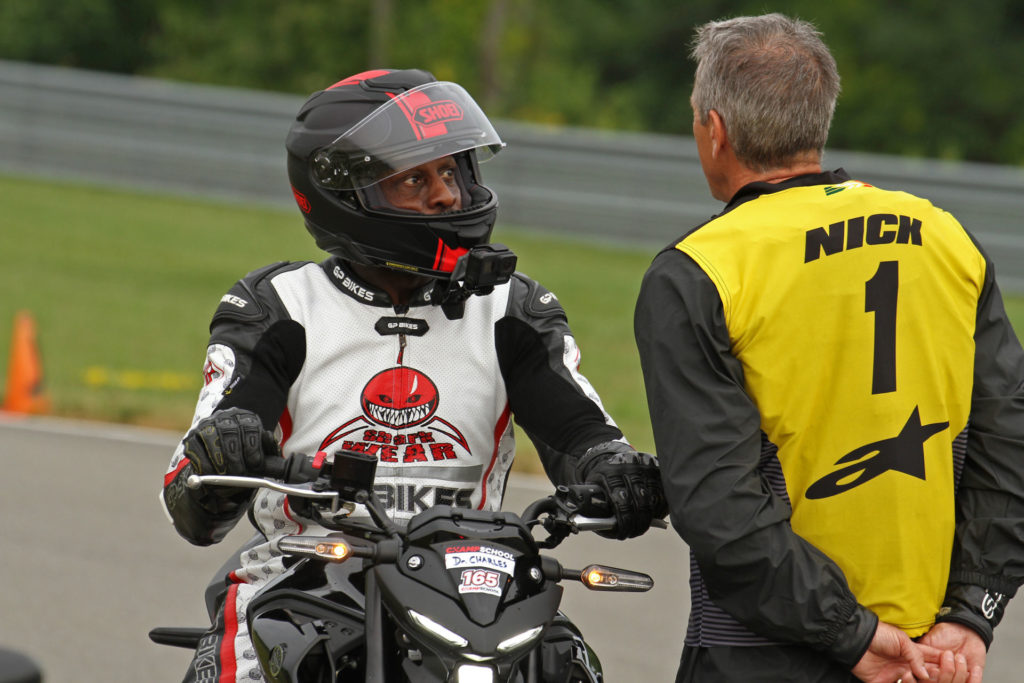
853 637
202 518
980 609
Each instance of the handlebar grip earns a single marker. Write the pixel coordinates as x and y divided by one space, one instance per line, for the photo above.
275 468
296 468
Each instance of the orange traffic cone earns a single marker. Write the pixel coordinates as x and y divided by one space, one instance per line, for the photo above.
25 371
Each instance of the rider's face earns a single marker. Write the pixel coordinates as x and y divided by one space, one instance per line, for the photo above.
429 188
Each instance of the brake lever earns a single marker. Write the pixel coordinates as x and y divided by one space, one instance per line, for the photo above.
195 481
593 495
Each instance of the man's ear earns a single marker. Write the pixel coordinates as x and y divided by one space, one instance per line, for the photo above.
719 135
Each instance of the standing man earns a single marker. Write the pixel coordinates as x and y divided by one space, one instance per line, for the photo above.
836 396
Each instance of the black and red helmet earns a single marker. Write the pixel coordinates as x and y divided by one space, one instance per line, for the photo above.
368 127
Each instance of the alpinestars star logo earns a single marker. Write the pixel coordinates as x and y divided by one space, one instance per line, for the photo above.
990 603
902 453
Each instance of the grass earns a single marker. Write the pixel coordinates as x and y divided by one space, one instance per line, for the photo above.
122 286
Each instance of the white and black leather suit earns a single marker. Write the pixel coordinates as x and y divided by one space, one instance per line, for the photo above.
331 363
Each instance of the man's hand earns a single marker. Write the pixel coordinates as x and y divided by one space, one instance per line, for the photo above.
892 656
632 482
231 442
966 651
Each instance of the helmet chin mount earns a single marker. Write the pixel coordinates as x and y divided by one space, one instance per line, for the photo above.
477 271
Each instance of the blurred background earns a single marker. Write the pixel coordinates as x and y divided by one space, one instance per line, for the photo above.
920 78
142 161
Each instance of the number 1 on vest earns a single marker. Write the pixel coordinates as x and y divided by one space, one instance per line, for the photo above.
880 298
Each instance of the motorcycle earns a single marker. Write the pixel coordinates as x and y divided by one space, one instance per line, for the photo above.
456 596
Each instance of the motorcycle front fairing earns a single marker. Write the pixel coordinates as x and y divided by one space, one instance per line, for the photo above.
468 588
309 622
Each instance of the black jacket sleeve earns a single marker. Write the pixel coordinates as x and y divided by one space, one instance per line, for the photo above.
987 563
268 350
708 438
554 404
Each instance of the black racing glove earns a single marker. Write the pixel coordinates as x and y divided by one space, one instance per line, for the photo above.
229 442
631 481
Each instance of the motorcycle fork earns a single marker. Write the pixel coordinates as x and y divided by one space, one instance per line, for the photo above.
533 666
374 631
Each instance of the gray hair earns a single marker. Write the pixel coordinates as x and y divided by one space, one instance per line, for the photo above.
774 83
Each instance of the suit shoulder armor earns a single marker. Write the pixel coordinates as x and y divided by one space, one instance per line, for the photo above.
252 298
531 298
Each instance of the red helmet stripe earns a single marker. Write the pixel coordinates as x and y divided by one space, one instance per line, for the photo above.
358 78
439 254
412 102
445 258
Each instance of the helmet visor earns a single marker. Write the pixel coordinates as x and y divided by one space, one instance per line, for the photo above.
426 123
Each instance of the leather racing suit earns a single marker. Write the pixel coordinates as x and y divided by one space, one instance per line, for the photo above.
329 361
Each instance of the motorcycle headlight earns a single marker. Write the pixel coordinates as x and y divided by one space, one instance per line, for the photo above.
520 639
435 629
471 673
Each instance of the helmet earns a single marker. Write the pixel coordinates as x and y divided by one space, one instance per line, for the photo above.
366 128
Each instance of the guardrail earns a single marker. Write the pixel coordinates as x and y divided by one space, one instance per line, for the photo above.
630 188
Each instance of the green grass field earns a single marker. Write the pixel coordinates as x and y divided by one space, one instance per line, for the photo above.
122 286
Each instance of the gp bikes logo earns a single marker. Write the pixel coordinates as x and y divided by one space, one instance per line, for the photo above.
399 397
433 113
902 453
236 301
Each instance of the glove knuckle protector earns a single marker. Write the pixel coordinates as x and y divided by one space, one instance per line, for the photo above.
207 446
251 441
230 441
230 446
632 482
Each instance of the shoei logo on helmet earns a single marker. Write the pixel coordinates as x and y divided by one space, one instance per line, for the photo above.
301 200
434 113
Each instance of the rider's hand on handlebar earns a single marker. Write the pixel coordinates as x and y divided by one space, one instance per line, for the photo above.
632 482
229 442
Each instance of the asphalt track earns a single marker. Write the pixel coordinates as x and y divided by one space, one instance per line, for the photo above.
89 563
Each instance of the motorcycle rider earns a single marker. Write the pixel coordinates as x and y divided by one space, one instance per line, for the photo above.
382 349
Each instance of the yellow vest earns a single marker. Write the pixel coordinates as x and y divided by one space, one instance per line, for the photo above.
852 311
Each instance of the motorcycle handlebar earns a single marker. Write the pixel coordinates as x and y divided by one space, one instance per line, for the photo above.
292 469
276 468
582 506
